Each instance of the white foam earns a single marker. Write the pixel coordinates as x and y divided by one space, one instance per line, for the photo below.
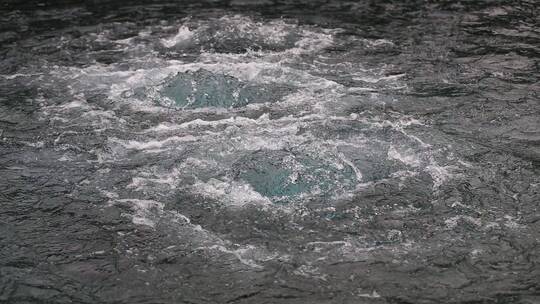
313 42
309 271
379 79
453 221
439 174
512 222
184 34
374 294
406 157
144 211
233 193
153 144
140 183
150 212
234 120
377 42
17 75
242 254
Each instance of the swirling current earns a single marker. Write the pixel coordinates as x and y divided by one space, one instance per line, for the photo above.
271 151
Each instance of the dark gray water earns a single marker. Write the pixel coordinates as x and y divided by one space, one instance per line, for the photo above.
270 152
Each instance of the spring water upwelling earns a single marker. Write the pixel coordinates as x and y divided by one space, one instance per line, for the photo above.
203 89
321 152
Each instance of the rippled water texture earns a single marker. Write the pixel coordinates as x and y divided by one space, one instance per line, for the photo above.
269 152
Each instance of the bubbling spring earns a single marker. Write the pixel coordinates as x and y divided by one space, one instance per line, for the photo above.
283 175
202 89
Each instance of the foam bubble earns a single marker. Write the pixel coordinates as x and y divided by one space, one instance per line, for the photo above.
233 193
184 34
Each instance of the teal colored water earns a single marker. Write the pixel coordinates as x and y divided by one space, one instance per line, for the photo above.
282 175
201 89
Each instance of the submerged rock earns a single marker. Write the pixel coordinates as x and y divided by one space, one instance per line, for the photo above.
201 89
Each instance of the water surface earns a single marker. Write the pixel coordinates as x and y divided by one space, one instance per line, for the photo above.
269 152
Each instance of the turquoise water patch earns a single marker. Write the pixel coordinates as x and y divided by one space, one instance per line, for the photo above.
282 175
201 89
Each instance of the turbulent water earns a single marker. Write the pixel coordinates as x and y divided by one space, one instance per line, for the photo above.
270 152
